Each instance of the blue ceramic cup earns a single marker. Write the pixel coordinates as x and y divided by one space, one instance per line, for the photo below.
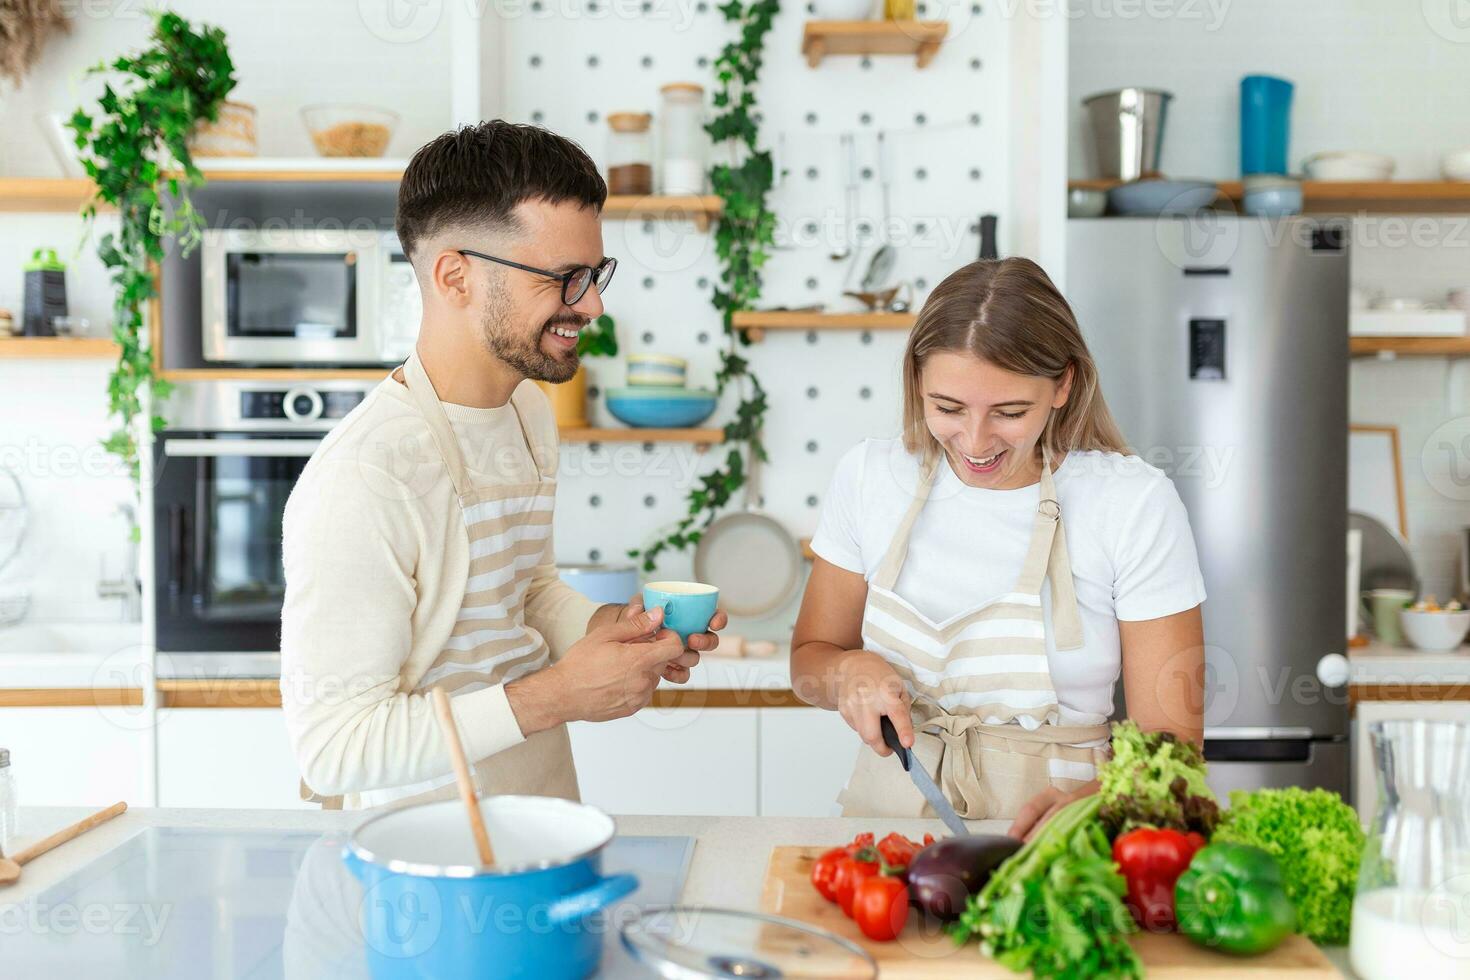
688 606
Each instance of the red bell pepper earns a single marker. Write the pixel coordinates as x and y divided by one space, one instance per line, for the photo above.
1151 861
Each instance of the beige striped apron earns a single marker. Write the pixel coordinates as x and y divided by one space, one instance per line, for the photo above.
508 527
984 708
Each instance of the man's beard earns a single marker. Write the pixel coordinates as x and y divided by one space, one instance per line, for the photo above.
503 339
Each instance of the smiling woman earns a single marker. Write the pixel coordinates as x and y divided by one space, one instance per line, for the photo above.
986 579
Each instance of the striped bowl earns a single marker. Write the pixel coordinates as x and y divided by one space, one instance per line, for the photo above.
657 370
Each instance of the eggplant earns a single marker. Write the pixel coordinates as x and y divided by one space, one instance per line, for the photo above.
944 875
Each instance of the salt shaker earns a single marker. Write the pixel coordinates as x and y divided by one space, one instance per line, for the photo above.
9 805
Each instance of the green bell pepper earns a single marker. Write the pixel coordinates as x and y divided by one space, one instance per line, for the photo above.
1232 898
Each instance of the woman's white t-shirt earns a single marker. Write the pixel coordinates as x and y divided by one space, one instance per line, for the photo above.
1128 539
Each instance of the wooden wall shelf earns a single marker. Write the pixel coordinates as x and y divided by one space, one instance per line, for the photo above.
755 324
57 348
700 209
701 439
275 374
1420 346
1333 196
920 38
38 195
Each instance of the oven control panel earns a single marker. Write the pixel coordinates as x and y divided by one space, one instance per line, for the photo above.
298 404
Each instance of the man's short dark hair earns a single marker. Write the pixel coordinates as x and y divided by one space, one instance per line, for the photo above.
476 175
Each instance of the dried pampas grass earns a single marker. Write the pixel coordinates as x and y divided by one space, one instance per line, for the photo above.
25 27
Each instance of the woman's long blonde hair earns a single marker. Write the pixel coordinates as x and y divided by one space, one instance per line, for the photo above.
1009 313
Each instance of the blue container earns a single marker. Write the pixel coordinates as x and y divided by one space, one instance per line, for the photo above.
1265 124
429 909
688 606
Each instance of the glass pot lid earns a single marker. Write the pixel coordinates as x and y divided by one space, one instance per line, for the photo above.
685 942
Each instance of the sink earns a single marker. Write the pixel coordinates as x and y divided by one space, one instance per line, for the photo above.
74 655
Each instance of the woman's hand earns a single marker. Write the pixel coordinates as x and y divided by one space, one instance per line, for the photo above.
868 688
1039 808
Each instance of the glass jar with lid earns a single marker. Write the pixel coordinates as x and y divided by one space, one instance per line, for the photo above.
629 153
683 143
9 805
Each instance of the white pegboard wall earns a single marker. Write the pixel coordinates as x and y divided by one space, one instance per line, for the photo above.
946 130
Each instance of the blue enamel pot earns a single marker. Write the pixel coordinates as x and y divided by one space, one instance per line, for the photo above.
430 910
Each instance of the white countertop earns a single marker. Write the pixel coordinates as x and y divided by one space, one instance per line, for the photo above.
106 655
1379 663
727 870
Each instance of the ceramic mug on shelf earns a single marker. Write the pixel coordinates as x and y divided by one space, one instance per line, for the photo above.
1381 611
688 606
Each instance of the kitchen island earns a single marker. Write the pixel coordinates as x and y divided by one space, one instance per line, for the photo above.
727 869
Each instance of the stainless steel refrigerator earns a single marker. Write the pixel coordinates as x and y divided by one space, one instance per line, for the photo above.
1222 345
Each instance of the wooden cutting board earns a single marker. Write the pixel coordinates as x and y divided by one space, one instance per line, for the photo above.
925 953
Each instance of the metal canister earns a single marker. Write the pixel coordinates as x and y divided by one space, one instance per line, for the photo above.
1128 131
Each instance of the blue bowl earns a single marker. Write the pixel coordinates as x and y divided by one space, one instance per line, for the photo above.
430 911
650 407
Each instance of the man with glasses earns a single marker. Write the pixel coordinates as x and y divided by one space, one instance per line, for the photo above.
417 542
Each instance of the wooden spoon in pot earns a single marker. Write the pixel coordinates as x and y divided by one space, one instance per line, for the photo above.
10 866
462 776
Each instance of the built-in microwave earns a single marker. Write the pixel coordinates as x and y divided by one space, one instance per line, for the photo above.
331 297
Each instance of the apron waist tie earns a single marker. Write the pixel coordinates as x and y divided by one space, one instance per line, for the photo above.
961 737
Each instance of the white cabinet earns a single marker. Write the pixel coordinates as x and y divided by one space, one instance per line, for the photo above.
675 761
93 756
226 757
806 755
1365 788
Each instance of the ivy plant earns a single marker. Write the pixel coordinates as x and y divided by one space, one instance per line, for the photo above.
598 339
743 240
134 148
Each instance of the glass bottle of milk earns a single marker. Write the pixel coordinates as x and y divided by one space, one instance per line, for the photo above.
1411 914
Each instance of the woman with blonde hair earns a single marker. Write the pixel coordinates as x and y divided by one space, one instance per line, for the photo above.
985 579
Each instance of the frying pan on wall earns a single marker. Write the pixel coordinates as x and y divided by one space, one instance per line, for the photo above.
750 557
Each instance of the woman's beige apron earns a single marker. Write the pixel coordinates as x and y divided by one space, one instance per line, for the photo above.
508 527
984 708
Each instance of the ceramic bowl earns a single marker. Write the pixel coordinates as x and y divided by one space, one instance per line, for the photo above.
1272 196
1086 202
1435 631
659 370
1159 197
649 407
1455 165
1349 165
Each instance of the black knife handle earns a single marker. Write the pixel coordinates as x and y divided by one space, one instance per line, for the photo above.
890 738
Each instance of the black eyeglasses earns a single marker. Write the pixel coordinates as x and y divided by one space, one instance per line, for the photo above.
574 284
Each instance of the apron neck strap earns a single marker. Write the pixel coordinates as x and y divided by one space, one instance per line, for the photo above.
1047 558
898 549
1047 553
421 389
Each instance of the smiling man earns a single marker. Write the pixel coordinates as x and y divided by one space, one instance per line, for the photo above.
418 546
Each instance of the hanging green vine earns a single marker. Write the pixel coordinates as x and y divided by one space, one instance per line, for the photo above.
135 150
743 238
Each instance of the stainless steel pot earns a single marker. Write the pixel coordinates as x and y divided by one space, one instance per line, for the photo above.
1128 130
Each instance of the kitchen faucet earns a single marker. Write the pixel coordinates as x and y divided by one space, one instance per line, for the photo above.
127 586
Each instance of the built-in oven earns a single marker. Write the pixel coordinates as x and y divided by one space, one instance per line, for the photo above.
222 472
306 297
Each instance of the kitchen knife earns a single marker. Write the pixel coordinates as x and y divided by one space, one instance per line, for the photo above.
922 779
